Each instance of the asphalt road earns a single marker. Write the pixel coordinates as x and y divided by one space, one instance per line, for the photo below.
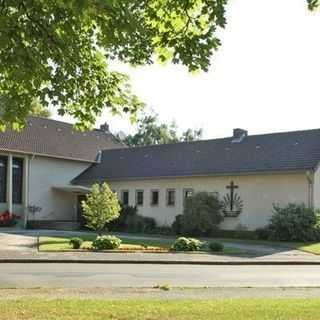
131 275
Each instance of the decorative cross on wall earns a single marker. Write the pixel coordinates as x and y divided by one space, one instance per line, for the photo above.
232 188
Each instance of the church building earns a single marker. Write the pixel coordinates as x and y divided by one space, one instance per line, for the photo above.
47 168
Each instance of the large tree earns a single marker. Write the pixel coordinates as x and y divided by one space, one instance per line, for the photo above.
151 131
38 110
59 51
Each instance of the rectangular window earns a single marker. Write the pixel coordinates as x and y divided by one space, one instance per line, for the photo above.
139 197
3 179
154 197
125 197
17 180
187 193
171 197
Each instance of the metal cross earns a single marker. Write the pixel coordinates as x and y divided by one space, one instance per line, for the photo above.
232 187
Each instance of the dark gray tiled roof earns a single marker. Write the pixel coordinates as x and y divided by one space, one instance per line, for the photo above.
299 150
57 139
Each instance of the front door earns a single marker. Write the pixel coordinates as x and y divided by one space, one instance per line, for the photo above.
80 198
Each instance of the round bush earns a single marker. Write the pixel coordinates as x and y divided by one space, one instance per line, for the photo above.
216 246
106 243
75 243
294 222
187 244
202 214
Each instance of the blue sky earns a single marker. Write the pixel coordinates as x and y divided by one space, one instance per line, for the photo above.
264 78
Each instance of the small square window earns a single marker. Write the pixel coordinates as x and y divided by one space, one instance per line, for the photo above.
154 197
171 197
139 197
125 197
187 193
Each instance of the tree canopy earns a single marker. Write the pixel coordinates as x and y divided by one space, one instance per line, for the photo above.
60 51
150 131
38 110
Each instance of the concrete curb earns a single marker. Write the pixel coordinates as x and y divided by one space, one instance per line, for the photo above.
162 262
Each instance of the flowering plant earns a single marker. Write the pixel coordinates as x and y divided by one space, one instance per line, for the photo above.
7 219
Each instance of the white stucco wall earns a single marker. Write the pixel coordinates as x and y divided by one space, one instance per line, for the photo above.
316 188
258 193
44 173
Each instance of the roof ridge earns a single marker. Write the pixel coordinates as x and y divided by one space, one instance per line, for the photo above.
71 125
208 140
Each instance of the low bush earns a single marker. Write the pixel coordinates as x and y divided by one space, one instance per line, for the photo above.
163 230
120 224
187 244
262 233
106 243
216 246
130 221
75 243
294 222
202 213
177 226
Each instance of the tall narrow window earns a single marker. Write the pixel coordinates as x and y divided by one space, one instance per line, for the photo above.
139 197
171 197
125 197
17 177
154 197
3 179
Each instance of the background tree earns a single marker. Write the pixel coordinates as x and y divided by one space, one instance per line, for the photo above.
150 131
38 110
59 51
100 207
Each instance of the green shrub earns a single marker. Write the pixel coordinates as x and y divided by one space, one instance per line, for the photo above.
177 225
262 233
106 243
163 230
140 224
187 244
120 224
295 222
75 243
130 221
202 214
216 246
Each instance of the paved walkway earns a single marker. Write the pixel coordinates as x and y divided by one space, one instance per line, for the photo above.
21 245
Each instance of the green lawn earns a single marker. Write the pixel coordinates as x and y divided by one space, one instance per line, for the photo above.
62 243
240 309
309 247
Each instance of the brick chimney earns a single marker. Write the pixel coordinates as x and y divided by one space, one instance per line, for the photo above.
239 135
104 127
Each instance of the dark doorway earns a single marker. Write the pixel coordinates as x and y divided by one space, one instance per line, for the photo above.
80 217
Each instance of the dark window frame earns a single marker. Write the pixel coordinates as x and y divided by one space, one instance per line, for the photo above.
152 203
138 203
122 197
17 180
3 179
168 198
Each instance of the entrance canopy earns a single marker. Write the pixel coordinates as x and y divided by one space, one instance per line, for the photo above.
72 189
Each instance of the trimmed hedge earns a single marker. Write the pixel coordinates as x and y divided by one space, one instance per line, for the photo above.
187 244
106 243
